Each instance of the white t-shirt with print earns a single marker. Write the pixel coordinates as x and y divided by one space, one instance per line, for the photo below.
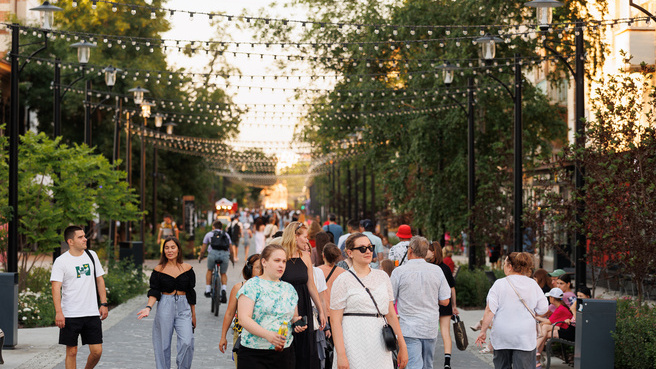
78 284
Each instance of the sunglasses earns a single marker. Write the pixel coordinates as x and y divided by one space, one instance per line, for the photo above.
364 249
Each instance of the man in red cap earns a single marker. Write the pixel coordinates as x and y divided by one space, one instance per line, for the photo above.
399 252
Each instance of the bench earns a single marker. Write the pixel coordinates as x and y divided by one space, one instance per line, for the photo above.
565 353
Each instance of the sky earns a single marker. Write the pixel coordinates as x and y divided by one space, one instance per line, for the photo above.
269 132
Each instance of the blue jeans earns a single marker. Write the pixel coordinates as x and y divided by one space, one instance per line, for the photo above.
420 352
173 313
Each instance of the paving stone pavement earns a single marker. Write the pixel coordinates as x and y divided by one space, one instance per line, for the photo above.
128 342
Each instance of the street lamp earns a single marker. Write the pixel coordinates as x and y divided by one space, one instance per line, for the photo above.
488 51
83 51
110 75
544 11
578 73
159 118
488 46
138 94
145 113
47 14
447 73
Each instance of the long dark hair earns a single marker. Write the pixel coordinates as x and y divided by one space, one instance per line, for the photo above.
162 259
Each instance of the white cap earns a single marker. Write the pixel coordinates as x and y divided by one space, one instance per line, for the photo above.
555 293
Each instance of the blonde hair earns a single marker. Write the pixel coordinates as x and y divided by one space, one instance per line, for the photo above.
292 230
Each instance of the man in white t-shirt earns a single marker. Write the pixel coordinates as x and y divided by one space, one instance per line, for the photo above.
76 284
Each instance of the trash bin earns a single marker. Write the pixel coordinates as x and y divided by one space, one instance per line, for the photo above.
595 324
9 308
132 250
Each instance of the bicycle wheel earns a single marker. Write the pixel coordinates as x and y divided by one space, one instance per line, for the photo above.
217 290
213 293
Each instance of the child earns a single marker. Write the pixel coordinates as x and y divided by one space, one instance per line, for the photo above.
561 314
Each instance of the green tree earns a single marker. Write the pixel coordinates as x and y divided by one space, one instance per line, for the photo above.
60 185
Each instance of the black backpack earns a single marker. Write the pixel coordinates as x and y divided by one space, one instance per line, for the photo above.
220 240
234 231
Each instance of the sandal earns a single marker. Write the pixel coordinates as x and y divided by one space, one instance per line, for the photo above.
486 350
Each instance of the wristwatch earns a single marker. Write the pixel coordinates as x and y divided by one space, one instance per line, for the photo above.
104 304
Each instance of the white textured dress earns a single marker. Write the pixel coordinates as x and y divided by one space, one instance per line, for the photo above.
363 336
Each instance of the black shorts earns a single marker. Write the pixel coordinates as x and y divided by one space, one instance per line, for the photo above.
89 327
266 359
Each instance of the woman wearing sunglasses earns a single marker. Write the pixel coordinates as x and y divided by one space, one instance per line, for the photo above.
356 325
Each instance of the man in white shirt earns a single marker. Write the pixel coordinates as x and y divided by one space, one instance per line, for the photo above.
77 283
352 227
398 251
418 288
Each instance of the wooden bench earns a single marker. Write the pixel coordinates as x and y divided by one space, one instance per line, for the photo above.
565 354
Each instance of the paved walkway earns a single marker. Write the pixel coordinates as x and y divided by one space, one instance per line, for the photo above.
128 341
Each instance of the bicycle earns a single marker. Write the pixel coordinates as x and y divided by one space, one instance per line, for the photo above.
216 288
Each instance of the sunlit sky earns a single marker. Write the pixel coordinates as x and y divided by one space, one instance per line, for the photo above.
275 131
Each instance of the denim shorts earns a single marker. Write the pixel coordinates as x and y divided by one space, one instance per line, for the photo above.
218 255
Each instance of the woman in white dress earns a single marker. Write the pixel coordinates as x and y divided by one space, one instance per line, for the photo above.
357 331
259 238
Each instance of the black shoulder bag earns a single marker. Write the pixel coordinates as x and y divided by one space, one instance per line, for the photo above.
331 272
95 278
391 343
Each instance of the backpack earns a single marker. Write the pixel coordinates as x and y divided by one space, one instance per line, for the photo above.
219 240
234 231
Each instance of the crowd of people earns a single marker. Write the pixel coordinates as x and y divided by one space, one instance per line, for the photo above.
315 296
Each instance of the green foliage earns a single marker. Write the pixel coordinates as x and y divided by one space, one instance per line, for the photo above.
471 287
635 335
35 308
83 184
123 282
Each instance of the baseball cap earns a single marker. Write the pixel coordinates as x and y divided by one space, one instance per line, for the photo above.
555 293
557 273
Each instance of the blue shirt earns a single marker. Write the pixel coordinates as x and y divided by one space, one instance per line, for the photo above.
335 229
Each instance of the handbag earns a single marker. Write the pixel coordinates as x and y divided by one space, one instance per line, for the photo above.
237 344
459 333
391 343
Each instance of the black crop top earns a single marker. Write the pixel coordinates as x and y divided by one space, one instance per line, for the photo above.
185 282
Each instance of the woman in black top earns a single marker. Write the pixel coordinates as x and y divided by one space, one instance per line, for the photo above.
172 286
435 256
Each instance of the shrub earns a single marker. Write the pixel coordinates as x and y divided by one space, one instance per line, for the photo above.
123 281
635 335
471 287
35 308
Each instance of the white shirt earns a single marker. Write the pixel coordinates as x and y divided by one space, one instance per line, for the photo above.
398 251
78 284
342 241
418 288
513 326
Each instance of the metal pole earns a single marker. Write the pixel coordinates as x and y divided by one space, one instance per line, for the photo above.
112 222
373 194
471 166
57 100
154 215
87 112
338 199
128 167
12 231
518 158
355 191
581 242
142 185
333 198
349 201
364 192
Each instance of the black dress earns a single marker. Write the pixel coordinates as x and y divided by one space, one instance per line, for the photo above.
305 347
447 310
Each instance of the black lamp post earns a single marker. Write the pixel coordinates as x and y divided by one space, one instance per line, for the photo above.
145 113
47 12
159 118
83 55
544 13
138 95
447 75
488 49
